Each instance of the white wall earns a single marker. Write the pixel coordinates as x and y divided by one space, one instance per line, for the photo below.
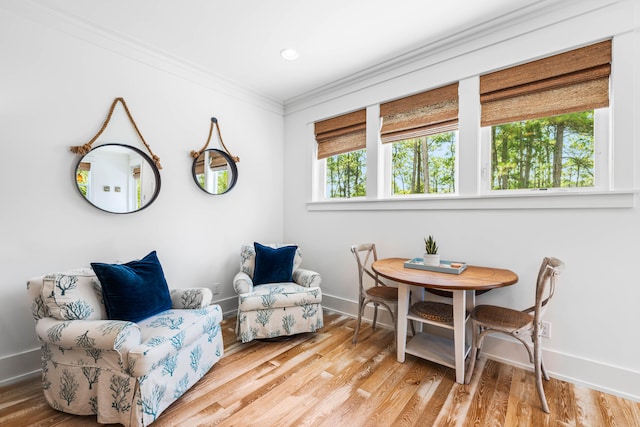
594 314
57 84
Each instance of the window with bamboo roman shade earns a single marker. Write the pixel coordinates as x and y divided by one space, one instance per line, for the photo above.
341 134
423 114
573 81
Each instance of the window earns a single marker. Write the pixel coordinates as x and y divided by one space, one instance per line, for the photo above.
543 123
550 152
422 131
346 175
342 148
430 156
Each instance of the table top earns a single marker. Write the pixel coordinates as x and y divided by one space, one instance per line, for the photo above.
472 278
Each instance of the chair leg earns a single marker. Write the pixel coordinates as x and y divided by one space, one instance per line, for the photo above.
538 371
360 310
545 375
479 340
474 353
375 315
413 328
394 319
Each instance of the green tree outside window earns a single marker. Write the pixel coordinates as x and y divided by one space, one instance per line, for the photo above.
347 175
550 152
433 157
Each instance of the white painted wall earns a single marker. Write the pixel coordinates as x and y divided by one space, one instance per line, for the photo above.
57 84
108 171
594 314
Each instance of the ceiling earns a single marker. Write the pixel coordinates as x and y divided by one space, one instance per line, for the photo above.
240 40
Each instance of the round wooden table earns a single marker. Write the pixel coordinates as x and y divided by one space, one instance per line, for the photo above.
462 286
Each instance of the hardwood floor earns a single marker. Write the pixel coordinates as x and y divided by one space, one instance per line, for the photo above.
323 379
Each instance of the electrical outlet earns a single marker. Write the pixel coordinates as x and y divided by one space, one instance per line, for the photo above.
545 329
215 289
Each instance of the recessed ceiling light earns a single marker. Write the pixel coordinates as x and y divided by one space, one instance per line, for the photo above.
289 54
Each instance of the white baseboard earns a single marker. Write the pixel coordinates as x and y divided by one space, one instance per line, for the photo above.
229 306
350 308
20 366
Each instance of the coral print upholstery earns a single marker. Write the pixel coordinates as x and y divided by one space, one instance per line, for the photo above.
285 300
124 372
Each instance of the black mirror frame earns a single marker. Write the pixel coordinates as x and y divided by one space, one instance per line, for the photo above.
230 162
156 173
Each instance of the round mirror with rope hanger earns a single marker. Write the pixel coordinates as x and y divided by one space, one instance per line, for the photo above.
214 171
116 177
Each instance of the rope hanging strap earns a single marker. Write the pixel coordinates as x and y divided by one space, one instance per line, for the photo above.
214 122
84 149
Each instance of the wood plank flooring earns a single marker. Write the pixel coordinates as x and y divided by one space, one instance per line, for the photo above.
323 379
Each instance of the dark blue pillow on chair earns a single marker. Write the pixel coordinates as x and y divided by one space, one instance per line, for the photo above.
273 265
135 290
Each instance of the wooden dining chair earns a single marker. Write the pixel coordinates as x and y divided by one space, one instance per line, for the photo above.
525 325
377 294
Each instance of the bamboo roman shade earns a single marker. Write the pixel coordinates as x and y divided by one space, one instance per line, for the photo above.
573 81
426 113
216 161
341 134
199 169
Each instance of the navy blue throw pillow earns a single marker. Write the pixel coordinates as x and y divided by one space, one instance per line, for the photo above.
133 291
273 265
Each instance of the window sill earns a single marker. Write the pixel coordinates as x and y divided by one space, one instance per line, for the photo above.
600 200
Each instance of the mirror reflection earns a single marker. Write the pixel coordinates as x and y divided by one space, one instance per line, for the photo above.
117 178
214 171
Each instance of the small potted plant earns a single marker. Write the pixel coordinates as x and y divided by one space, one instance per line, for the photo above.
431 256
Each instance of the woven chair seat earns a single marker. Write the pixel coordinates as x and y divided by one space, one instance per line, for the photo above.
434 311
383 292
506 318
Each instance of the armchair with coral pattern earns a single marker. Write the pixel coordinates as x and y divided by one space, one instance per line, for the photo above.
122 371
275 296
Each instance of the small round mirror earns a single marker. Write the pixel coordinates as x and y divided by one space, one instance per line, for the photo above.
117 178
214 171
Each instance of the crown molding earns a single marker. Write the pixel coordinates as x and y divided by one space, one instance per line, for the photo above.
46 15
525 20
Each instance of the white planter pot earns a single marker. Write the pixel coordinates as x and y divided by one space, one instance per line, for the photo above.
431 259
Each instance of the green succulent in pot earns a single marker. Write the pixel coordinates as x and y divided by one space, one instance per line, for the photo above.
431 256
430 246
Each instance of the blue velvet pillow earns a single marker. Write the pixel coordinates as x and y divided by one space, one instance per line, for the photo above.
135 290
273 265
